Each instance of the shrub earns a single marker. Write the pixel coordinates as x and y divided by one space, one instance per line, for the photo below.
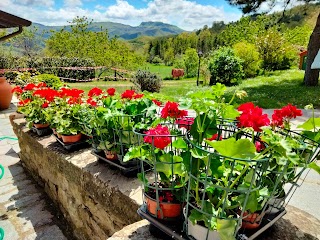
191 62
276 53
225 67
178 62
157 60
147 81
50 79
250 57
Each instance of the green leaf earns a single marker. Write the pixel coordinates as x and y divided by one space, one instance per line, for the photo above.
310 124
314 166
242 148
197 153
180 144
226 229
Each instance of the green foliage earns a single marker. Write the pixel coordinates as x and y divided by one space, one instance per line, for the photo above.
26 77
82 43
276 54
179 62
225 67
147 81
50 80
157 60
191 59
250 57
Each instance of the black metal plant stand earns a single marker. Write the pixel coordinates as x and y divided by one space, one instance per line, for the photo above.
42 131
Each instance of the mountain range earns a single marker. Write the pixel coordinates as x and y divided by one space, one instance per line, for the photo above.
127 32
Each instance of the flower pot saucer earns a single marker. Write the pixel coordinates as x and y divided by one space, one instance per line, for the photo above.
42 131
73 146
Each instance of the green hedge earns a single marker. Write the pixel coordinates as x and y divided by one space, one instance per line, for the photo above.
50 66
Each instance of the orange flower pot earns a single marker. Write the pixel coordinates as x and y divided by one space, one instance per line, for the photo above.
111 155
169 210
5 93
251 220
41 125
71 138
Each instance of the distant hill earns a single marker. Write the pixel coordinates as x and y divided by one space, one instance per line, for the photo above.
126 32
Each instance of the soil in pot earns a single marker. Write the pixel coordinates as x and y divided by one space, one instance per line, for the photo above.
71 138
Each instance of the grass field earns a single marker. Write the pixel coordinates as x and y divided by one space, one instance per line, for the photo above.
272 91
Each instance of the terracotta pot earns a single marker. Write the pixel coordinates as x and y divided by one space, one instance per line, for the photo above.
169 210
251 220
71 138
41 125
5 93
111 155
59 135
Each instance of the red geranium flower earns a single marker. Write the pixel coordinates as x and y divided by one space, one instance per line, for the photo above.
252 116
259 146
42 84
215 137
185 122
17 90
45 105
95 92
158 103
91 102
74 100
283 115
128 94
136 96
29 86
24 102
158 136
47 93
111 91
66 92
171 110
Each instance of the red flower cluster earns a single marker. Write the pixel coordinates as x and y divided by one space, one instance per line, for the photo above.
95 92
18 90
74 100
166 196
45 105
259 146
131 94
29 86
111 91
171 110
128 94
156 102
215 137
92 102
185 122
24 102
284 114
158 136
75 93
47 93
42 84
252 116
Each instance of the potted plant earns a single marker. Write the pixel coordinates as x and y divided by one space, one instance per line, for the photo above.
163 148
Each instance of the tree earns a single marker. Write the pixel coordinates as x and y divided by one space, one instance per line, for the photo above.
191 59
311 77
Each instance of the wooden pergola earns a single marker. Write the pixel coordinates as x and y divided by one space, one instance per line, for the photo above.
8 20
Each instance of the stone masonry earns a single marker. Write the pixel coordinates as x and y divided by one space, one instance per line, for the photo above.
96 200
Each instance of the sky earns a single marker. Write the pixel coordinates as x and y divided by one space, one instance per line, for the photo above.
186 14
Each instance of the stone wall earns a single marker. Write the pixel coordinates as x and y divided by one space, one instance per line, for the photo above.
96 200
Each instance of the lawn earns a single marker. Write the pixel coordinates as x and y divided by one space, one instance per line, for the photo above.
272 91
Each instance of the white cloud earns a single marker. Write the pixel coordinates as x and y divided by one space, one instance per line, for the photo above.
72 3
186 14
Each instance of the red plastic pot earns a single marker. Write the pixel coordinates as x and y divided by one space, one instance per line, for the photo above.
251 220
71 138
168 210
111 155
